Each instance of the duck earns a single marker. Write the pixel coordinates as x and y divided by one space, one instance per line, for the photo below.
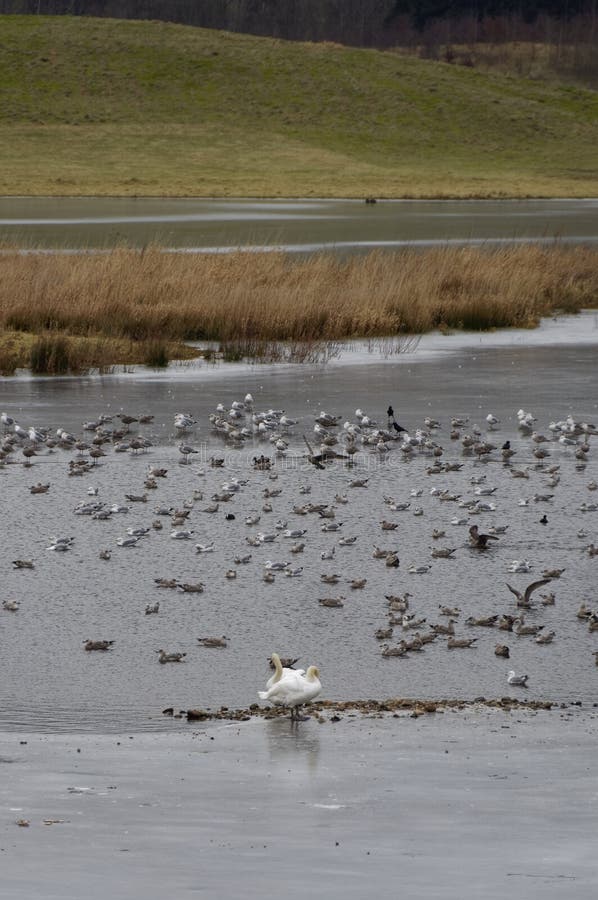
293 690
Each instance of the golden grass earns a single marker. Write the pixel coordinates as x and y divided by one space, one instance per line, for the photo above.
49 353
130 303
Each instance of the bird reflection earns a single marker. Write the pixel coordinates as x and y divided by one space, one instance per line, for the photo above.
293 742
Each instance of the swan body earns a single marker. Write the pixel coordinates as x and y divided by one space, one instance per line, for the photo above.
280 671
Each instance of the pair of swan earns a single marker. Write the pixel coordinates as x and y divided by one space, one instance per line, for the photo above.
291 687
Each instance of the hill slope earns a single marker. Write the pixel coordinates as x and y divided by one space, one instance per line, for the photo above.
96 106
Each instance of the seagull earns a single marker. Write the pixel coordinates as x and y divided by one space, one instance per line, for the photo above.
214 641
315 459
97 645
130 541
523 598
294 532
480 541
205 548
186 450
520 566
170 657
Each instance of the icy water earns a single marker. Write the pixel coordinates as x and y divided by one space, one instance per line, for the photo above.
49 682
295 225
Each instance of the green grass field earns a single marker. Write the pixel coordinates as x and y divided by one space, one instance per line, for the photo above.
105 107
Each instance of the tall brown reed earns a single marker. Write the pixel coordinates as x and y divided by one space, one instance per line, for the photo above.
250 298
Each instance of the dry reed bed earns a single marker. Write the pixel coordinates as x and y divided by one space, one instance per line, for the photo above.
153 295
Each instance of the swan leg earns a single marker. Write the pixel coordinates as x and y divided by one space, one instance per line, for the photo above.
297 717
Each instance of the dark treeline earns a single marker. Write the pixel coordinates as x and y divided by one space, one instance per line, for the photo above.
371 23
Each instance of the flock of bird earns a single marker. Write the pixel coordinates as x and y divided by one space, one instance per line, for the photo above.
350 446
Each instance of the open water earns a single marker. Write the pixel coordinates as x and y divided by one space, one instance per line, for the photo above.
48 681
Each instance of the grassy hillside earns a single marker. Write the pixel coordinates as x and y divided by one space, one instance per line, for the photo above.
95 106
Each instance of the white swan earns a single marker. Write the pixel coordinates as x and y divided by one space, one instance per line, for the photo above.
280 671
519 680
294 689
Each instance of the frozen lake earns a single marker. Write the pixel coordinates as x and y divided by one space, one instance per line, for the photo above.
295 225
48 682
